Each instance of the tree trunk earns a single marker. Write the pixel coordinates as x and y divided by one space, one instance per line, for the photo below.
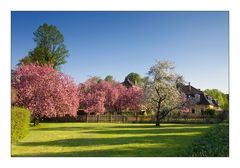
158 119
136 117
97 118
110 118
35 121
158 114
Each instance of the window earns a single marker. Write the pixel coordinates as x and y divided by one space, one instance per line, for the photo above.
197 97
193 111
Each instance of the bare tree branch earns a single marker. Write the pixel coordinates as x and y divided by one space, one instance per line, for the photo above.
157 90
155 100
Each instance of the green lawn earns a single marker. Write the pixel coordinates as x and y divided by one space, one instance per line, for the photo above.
108 139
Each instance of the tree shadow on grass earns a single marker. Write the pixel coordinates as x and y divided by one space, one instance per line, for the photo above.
168 139
164 146
139 136
162 126
130 152
126 127
62 128
157 131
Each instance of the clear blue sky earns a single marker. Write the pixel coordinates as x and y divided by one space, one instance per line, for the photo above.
117 43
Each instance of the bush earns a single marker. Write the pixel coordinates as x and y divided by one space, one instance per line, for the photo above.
20 123
210 112
214 143
222 116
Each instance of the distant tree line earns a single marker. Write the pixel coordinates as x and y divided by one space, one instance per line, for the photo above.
220 97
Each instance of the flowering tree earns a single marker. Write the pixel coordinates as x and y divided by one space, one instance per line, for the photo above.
13 95
161 91
91 98
45 91
108 96
111 94
135 98
121 101
129 98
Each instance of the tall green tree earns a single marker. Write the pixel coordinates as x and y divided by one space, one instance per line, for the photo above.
95 79
219 96
160 89
50 47
109 78
135 78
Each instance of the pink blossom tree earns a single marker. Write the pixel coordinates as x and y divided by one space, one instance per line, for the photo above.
45 91
121 101
91 99
111 94
108 96
129 98
135 97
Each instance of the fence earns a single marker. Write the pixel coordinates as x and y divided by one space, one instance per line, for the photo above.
131 119
116 118
144 119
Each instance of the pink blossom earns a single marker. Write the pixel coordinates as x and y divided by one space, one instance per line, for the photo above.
46 91
108 96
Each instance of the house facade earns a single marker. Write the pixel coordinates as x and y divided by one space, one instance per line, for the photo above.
197 101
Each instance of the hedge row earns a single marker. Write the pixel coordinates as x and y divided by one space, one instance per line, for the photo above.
214 143
20 123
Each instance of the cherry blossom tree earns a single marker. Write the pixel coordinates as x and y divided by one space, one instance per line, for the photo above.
108 96
135 98
45 91
129 98
121 101
91 98
111 94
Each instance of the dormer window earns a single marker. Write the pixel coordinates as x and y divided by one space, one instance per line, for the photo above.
197 97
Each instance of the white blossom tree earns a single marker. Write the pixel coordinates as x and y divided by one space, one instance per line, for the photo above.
161 89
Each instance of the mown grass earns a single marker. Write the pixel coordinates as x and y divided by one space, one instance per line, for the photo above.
108 139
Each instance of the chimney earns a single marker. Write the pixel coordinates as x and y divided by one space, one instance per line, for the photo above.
189 86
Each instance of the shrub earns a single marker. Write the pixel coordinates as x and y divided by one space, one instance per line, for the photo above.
223 116
210 112
214 143
20 120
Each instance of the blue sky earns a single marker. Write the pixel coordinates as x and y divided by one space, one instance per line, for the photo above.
117 43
